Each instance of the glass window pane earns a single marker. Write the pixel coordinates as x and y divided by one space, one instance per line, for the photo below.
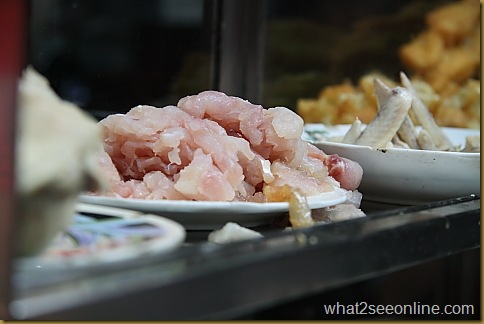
108 56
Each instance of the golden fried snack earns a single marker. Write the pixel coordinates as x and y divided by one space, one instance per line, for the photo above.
424 52
463 108
448 52
339 104
455 21
456 65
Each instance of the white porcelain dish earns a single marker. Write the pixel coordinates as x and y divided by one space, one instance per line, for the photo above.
207 215
406 176
101 235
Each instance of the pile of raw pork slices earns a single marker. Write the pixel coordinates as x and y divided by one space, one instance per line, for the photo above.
214 147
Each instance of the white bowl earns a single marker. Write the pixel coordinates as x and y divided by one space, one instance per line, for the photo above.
408 176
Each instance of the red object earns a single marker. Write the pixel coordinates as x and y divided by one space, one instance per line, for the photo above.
13 23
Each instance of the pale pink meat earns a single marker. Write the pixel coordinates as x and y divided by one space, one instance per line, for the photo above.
218 148
274 133
210 184
347 172
234 114
161 187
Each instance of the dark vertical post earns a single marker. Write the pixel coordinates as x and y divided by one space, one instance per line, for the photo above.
241 48
12 37
212 14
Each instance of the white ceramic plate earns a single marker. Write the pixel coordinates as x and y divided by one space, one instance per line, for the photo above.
101 235
206 215
406 176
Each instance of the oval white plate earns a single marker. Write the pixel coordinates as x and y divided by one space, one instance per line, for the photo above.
206 215
406 176
101 235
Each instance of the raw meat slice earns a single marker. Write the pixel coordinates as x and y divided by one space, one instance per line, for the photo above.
218 148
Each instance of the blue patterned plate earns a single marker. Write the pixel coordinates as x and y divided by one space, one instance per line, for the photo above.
101 234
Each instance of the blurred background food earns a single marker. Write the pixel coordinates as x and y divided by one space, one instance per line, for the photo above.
443 61
56 150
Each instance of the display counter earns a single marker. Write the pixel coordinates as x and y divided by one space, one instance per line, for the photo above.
202 280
